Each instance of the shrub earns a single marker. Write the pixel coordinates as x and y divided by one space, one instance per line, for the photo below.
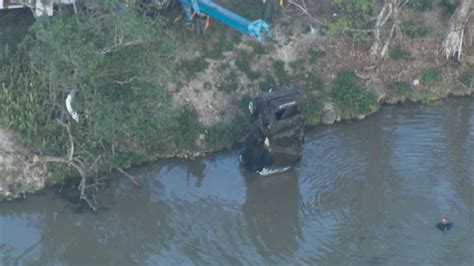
313 110
224 135
349 96
400 88
430 76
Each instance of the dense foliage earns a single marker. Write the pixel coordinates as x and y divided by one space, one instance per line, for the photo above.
351 99
117 64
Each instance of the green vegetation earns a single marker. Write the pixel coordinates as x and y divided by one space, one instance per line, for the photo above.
400 88
280 73
268 82
221 41
315 54
19 20
350 97
117 65
244 62
258 48
230 83
190 68
353 14
425 96
398 53
415 30
420 5
225 135
467 80
430 76
449 6
313 107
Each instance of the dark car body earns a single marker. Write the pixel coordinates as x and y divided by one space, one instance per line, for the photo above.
275 134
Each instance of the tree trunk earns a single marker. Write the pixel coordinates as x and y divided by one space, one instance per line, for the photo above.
389 12
453 41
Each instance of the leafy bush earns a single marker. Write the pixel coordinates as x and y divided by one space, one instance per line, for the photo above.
350 97
400 88
126 113
313 110
26 109
430 76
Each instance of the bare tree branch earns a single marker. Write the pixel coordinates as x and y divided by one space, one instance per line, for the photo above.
304 9
134 180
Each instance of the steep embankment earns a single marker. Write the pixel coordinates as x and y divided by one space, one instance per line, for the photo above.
20 172
340 77
217 74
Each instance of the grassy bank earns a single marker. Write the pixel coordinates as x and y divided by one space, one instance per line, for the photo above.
160 91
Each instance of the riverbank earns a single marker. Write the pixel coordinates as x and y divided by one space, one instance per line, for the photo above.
365 193
207 85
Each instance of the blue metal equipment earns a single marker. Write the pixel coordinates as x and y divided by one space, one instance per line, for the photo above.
257 28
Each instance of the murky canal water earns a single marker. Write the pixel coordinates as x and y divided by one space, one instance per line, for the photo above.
366 193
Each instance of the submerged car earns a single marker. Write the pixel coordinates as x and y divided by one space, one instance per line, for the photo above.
275 134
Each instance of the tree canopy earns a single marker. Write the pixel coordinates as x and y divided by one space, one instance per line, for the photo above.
115 63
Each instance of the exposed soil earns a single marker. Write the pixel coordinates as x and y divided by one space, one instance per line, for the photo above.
293 42
19 172
217 90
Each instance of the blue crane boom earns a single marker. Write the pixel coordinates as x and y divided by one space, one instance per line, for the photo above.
257 28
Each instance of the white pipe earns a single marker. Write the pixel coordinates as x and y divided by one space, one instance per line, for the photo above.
69 109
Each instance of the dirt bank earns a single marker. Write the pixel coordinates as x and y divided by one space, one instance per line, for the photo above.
20 171
307 56
220 72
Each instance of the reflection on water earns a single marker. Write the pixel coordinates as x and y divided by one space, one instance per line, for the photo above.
366 193
271 213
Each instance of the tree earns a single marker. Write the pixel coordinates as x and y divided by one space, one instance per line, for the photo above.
98 78
453 41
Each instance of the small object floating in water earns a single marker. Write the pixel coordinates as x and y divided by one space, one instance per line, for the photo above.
444 224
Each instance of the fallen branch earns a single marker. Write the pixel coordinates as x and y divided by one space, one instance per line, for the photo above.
304 9
129 176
